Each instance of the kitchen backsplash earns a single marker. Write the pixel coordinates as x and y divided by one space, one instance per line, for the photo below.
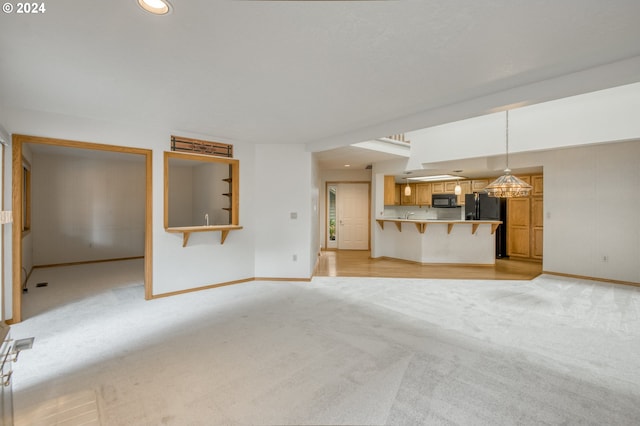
428 213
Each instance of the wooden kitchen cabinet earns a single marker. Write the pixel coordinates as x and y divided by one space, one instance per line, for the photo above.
390 198
437 188
525 222
478 185
538 185
409 200
537 226
449 187
465 186
518 227
423 194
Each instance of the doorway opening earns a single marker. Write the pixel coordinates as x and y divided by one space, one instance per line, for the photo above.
348 215
18 200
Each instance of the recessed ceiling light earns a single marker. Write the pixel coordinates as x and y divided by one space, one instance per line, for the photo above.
157 7
347 165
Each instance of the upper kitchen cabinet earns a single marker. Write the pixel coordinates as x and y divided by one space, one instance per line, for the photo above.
391 193
538 185
478 185
438 188
408 200
423 194
465 186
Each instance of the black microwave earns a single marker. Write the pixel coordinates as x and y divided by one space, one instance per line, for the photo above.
444 200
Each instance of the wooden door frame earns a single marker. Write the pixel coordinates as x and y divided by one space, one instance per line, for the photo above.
326 209
17 188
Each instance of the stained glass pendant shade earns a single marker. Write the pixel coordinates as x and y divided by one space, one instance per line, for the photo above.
508 185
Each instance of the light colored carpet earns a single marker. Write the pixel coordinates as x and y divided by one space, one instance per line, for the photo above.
333 351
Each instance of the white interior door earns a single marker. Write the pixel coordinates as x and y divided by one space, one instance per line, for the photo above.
353 216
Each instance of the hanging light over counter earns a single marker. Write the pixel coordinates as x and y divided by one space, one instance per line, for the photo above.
458 189
508 185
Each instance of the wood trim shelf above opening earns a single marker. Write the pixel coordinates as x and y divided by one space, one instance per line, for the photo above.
197 146
187 230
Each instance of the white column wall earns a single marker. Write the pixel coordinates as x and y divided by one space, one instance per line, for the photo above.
282 187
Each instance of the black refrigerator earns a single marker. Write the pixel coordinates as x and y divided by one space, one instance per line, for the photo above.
479 206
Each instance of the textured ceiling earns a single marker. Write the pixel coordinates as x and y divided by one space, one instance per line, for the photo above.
322 73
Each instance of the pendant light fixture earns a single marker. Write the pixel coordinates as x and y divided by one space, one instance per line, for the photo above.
458 189
507 185
407 189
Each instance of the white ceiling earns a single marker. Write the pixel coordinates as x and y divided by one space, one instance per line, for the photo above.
321 73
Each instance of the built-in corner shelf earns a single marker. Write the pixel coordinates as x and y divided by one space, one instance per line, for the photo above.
187 230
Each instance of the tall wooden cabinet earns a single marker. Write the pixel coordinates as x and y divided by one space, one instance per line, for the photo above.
391 195
525 218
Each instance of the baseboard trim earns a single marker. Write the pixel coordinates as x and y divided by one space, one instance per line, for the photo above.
206 287
282 279
489 265
224 284
584 277
86 262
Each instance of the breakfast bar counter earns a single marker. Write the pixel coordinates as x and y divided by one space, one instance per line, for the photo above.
467 242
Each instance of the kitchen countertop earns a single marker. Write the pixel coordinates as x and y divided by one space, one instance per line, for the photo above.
399 219
437 241
421 224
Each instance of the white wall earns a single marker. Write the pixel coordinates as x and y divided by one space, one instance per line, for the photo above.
283 185
5 245
208 187
591 209
314 228
86 209
180 204
27 238
204 261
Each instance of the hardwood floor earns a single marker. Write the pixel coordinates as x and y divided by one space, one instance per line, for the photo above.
358 263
